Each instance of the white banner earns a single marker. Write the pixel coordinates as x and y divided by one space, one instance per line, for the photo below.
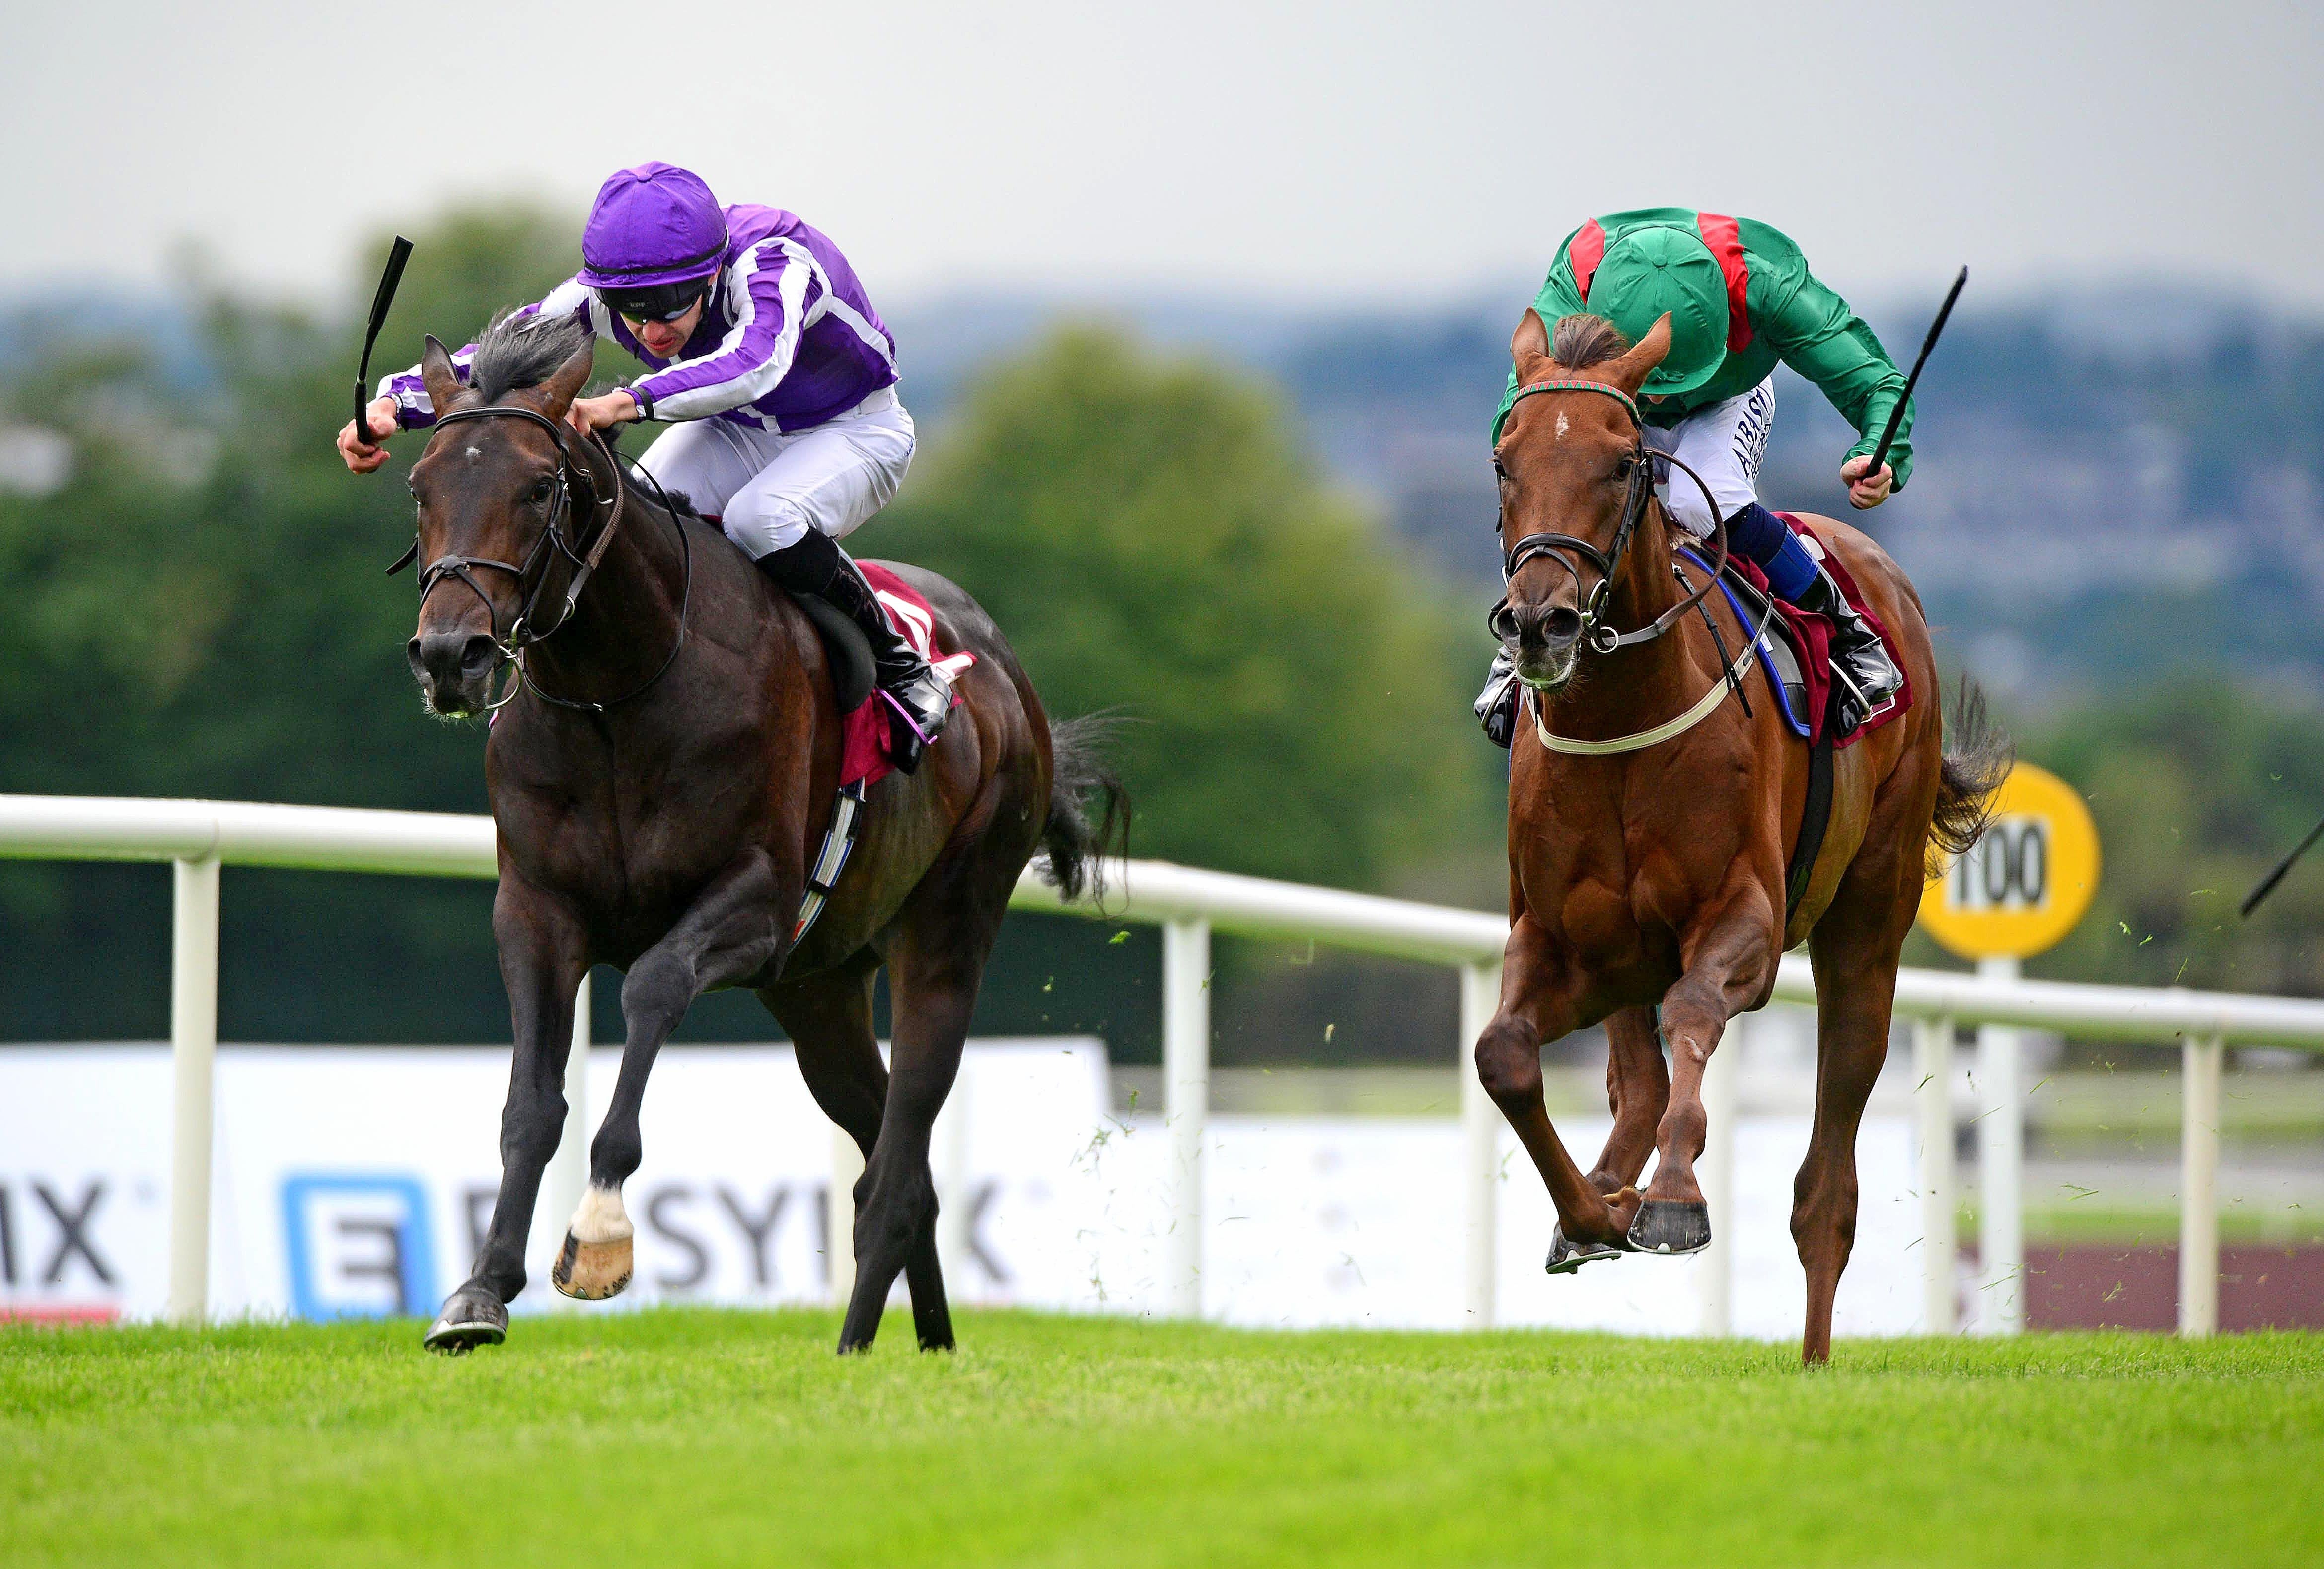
356 1180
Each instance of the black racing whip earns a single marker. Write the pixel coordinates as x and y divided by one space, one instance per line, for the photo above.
397 254
1896 414
2267 885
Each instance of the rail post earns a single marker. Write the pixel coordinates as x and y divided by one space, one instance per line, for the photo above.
2199 1190
1185 1101
1480 1131
2001 1169
193 1056
1932 1076
1714 1270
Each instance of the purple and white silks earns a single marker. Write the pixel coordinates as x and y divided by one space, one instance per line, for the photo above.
789 339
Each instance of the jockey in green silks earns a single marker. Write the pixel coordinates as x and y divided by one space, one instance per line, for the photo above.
1740 299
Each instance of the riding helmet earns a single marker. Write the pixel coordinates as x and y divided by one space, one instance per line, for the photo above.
654 238
1661 269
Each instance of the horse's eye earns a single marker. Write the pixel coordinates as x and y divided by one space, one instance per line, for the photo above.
1500 473
1622 470
540 489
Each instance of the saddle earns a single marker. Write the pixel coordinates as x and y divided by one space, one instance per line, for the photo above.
1794 652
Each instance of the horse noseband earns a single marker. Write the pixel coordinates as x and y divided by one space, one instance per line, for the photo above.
1598 634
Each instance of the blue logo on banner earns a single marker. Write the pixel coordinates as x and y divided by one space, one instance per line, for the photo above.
358 1244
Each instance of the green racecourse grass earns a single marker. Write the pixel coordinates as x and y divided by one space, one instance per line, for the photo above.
703 1437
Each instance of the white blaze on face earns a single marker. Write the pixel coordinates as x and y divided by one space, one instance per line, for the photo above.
1563 425
601 1217
474 453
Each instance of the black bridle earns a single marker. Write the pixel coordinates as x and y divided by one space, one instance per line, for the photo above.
1572 552
532 575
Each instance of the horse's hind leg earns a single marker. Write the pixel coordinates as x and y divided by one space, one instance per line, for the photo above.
730 933
828 1018
1855 946
1637 1088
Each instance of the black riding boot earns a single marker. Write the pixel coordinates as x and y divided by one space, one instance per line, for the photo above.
1497 705
1868 677
921 696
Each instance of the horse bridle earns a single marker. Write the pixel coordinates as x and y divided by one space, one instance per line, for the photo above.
552 542
1570 552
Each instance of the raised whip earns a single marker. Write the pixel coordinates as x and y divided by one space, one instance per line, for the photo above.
398 254
2267 885
1896 414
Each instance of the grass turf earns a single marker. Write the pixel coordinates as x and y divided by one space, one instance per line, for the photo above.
700 1437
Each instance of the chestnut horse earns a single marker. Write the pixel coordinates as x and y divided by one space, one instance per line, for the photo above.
662 776
1648 879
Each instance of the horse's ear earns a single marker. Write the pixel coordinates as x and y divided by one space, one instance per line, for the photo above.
562 387
444 388
1528 342
1630 372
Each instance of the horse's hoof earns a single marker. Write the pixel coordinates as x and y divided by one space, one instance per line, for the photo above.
593 1271
1670 1226
471 1318
1565 1258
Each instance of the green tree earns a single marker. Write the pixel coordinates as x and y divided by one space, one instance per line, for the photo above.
1149 536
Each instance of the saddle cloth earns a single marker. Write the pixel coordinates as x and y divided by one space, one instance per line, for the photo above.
1808 655
865 747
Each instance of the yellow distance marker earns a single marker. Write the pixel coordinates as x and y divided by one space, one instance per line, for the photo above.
2028 879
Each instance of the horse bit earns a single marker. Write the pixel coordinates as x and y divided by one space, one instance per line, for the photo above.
520 636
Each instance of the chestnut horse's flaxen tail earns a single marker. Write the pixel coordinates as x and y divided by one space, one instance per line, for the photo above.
1977 757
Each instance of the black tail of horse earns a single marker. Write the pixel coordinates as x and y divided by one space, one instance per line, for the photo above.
1089 809
1979 756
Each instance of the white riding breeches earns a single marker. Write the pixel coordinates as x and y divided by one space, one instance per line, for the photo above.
1725 443
772 487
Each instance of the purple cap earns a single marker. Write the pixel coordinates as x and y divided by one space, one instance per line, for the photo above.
654 224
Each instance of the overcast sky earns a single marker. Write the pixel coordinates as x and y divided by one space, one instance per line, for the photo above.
1319 152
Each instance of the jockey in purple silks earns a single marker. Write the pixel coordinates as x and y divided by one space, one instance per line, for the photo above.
761 342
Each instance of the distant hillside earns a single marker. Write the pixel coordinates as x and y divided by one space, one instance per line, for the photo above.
2112 483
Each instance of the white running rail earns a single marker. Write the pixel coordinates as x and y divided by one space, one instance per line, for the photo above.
1189 904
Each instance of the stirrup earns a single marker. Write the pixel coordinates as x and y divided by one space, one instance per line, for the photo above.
919 705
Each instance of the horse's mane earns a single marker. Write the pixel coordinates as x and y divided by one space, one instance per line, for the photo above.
517 352
1582 341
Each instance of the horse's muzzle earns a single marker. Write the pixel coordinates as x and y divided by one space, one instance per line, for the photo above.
1544 642
454 668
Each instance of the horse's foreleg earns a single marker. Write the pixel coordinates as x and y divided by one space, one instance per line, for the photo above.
1535 1007
732 932
1637 1088
1727 963
542 953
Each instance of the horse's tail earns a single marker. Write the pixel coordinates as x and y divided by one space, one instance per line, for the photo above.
1089 808
1977 757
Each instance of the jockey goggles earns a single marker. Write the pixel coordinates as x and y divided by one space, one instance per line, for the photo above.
660 302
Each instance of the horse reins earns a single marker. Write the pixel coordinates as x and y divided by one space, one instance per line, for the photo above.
521 636
1569 551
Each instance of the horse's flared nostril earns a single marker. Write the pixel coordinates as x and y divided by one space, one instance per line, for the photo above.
476 655
1560 626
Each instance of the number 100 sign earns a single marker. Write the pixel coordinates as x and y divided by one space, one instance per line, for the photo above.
2026 881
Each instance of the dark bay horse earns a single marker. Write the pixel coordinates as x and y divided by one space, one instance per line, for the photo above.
662 777
1647 884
